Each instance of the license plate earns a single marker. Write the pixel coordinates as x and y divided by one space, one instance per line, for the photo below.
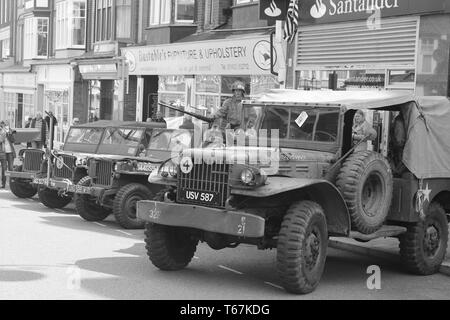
79 189
207 198
40 181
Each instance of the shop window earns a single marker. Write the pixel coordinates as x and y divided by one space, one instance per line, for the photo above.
401 79
160 12
184 11
58 103
172 90
70 24
123 23
433 56
10 105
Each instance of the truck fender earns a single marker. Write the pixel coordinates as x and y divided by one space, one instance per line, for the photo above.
322 192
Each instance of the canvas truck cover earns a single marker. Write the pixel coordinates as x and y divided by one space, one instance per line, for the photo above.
427 149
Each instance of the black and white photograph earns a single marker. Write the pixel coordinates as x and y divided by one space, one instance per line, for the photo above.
224 156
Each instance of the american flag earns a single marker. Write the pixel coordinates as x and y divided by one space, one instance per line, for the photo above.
291 25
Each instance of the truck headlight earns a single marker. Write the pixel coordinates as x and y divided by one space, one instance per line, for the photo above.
248 177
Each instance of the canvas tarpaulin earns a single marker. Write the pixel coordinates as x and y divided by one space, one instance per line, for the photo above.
427 149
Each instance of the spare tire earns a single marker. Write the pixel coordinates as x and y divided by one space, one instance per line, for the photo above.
366 183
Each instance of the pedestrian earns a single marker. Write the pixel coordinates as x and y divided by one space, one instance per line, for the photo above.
76 122
7 138
362 131
3 162
38 123
229 115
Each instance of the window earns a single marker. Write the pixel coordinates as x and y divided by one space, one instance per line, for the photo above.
10 103
209 12
123 24
172 89
35 38
160 11
184 10
70 24
245 1
5 17
5 48
103 22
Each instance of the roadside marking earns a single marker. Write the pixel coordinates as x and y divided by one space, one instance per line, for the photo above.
99 224
229 269
126 233
273 285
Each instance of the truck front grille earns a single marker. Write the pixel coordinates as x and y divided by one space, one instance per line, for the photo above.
102 173
65 172
32 160
205 178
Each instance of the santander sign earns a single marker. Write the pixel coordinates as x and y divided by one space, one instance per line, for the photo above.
339 7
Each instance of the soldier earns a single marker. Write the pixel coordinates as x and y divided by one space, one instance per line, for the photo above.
230 113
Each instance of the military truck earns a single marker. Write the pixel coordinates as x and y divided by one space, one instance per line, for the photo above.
68 164
117 182
311 184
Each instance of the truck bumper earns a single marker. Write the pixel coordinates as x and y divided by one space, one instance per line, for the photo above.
233 223
21 175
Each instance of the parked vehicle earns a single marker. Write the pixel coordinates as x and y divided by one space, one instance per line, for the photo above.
117 182
310 185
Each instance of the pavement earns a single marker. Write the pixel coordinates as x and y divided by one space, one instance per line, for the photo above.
383 248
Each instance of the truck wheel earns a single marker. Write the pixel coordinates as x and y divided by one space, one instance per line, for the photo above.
125 204
20 188
169 248
366 183
424 245
302 247
51 199
88 208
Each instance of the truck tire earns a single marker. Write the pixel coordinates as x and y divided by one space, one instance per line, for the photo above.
88 208
51 199
125 202
302 247
366 183
22 189
169 248
424 245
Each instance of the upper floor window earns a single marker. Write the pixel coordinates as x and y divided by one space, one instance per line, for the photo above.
5 17
103 20
184 10
160 11
35 38
70 24
123 23
5 48
237 2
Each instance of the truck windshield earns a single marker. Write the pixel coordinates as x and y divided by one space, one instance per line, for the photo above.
85 135
302 123
167 140
119 136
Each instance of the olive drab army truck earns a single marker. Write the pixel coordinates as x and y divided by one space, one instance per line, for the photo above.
116 182
310 184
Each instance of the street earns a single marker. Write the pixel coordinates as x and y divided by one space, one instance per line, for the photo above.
54 254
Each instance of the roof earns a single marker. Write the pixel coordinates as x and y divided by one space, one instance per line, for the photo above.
346 99
115 123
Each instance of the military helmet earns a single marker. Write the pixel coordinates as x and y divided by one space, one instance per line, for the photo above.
238 85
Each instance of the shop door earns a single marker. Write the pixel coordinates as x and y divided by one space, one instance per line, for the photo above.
150 104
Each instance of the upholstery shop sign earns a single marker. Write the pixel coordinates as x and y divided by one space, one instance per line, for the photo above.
326 11
219 57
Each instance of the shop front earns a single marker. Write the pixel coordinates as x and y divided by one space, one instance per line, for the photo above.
55 83
106 84
199 74
374 44
18 96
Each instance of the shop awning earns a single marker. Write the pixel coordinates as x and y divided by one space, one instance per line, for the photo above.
101 68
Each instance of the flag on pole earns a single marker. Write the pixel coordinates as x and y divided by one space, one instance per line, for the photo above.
291 25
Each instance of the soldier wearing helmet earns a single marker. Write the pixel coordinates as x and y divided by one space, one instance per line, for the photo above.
229 115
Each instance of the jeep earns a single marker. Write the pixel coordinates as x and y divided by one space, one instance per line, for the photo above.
115 183
310 183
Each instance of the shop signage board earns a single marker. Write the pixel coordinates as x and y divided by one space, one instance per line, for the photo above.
271 10
329 11
244 56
